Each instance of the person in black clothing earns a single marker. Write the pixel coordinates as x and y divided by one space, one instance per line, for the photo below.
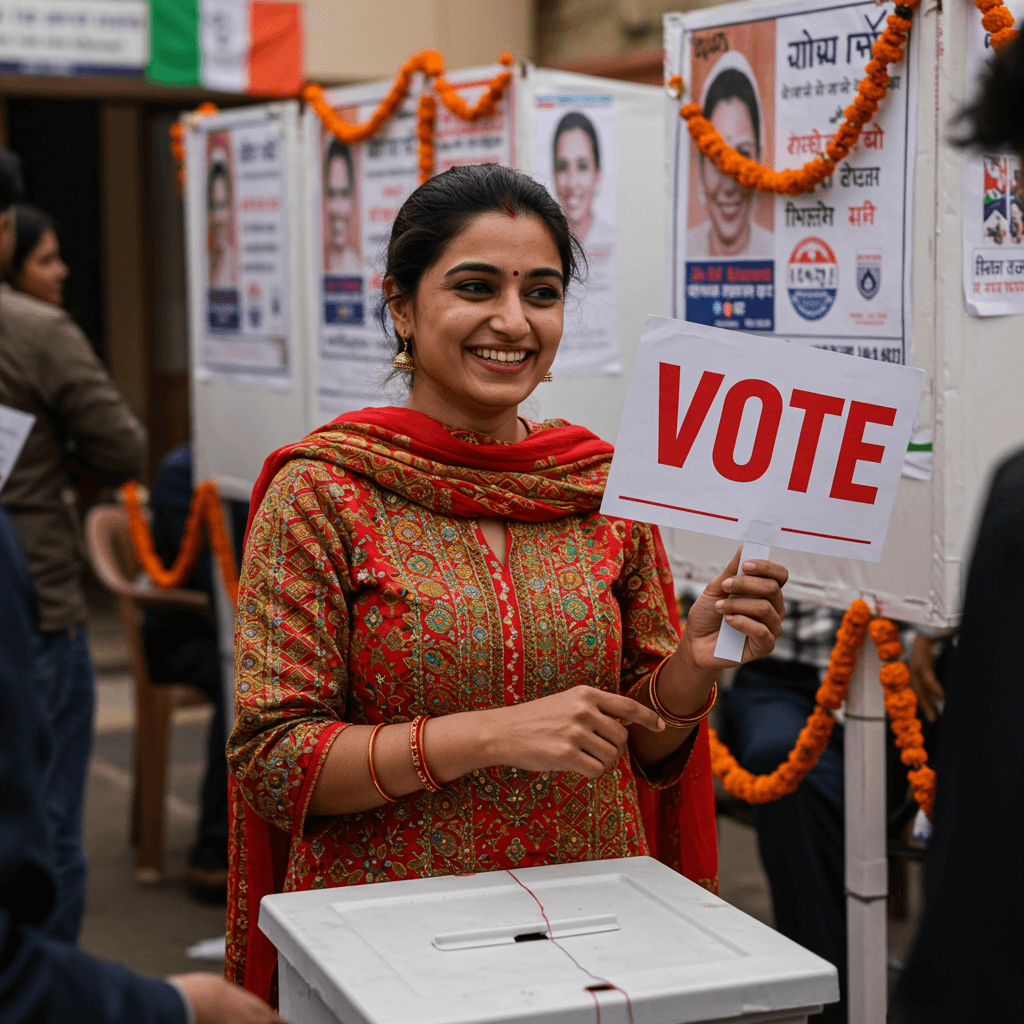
46 980
181 647
967 963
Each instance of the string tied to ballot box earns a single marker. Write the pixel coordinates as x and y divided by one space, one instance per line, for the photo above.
900 705
888 49
205 511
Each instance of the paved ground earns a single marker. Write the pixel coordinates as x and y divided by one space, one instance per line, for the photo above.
149 929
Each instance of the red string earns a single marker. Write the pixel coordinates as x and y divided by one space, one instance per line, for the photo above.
596 977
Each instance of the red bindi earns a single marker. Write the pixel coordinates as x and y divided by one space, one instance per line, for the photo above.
515 273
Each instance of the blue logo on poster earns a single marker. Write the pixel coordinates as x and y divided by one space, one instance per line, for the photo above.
813 278
737 295
255 296
869 273
222 312
343 301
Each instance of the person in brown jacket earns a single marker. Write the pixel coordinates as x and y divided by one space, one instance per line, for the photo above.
48 369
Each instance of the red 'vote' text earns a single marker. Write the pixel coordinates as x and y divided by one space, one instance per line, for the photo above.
674 445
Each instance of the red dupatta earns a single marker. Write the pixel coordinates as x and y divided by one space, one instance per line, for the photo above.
558 470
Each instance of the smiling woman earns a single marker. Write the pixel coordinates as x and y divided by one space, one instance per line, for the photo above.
447 657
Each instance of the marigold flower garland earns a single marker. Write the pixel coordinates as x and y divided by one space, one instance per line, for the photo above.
177 131
431 63
205 508
872 89
998 21
900 704
814 737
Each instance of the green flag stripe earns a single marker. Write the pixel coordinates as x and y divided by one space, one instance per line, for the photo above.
919 447
174 57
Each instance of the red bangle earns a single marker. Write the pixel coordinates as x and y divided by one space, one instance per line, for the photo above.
419 758
677 721
373 771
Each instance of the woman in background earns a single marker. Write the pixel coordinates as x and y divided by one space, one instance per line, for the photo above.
36 267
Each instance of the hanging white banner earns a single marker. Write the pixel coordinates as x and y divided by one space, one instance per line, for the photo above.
993 210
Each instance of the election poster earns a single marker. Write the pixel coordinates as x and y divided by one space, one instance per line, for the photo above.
574 153
246 270
993 206
356 191
829 268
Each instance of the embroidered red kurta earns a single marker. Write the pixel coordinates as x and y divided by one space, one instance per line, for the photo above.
369 595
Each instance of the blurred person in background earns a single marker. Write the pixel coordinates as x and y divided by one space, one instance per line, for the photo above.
181 647
45 980
49 370
36 267
967 963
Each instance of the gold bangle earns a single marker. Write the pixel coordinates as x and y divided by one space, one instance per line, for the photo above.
678 721
373 772
419 757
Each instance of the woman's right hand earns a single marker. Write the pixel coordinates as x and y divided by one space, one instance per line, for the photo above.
581 729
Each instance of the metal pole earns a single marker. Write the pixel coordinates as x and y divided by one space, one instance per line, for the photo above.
866 864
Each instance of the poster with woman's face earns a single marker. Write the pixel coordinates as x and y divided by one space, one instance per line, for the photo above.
221 230
342 251
736 90
575 158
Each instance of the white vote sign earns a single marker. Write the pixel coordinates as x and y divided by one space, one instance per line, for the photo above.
762 440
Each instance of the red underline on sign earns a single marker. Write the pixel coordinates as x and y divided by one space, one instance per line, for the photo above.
679 508
827 536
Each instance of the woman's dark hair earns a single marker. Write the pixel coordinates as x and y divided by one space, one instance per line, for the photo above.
995 120
30 224
437 212
733 84
339 150
567 124
218 169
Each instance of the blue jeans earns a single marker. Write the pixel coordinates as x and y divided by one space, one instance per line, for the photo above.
66 693
801 836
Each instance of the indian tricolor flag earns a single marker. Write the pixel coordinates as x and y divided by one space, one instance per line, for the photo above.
227 45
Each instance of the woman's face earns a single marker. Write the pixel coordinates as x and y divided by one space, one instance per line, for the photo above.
576 174
728 202
338 200
486 319
43 273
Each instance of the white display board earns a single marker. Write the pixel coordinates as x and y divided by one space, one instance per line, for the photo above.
972 365
249 360
354 192
337 356
630 120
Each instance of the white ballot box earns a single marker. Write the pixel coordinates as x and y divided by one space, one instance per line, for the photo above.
618 941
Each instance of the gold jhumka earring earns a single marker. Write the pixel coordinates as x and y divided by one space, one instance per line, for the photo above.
403 361
547 378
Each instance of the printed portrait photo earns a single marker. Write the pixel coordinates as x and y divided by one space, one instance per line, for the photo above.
221 228
736 90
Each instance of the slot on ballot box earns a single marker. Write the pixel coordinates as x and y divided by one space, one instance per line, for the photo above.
630 939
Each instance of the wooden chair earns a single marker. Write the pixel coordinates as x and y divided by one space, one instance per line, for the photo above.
116 565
